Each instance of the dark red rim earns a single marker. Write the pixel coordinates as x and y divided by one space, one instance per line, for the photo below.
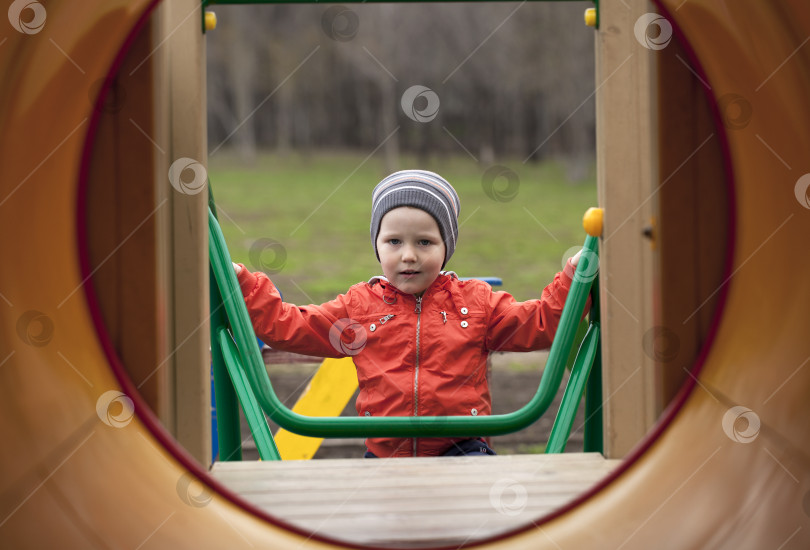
147 417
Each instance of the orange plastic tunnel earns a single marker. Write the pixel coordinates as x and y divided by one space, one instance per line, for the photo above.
75 478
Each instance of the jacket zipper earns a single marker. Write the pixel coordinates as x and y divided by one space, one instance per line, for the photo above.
418 310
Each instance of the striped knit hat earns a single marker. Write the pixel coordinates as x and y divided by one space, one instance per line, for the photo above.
419 189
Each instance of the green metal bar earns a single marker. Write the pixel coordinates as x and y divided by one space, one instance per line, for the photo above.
207 3
573 392
265 443
401 426
582 330
593 442
212 206
593 392
229 429
231 386
228 425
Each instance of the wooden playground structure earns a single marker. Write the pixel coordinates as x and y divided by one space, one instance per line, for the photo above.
703 176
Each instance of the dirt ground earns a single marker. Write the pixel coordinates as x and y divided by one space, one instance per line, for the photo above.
513 381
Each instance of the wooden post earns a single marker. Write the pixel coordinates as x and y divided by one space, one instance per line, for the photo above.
626 165
126 212
692 215
148 238
184 47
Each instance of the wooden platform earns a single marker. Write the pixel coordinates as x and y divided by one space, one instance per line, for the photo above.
414 501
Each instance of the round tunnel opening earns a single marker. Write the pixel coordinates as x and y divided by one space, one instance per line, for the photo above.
669 348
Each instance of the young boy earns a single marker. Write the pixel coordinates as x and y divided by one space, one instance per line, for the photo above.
419 336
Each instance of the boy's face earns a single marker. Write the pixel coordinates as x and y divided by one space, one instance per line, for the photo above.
411 249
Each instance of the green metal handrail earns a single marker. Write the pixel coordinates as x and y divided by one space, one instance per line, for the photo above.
593 426
265 443
225 398
208 3
574 391
245 353
231 387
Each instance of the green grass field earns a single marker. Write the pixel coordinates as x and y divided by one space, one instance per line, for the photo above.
306 219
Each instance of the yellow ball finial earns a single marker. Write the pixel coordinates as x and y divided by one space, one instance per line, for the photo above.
210 21
592 222
590 17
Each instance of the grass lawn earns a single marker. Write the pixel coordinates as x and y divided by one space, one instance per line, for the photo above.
306 219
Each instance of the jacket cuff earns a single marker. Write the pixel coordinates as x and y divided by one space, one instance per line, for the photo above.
568 272
247 280
568 275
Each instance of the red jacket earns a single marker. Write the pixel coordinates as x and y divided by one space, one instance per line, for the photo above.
413 356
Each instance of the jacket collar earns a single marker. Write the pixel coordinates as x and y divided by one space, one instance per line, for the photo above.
390 293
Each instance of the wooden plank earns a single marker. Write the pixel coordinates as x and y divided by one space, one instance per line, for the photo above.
625 179
190 362
162 369
418 501
436 500
122 224
553 481
142 329
423 464
691 233
273 356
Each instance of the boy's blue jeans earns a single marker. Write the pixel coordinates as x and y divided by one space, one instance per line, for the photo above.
468 447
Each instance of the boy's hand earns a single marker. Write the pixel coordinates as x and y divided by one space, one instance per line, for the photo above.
574 258
237 268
